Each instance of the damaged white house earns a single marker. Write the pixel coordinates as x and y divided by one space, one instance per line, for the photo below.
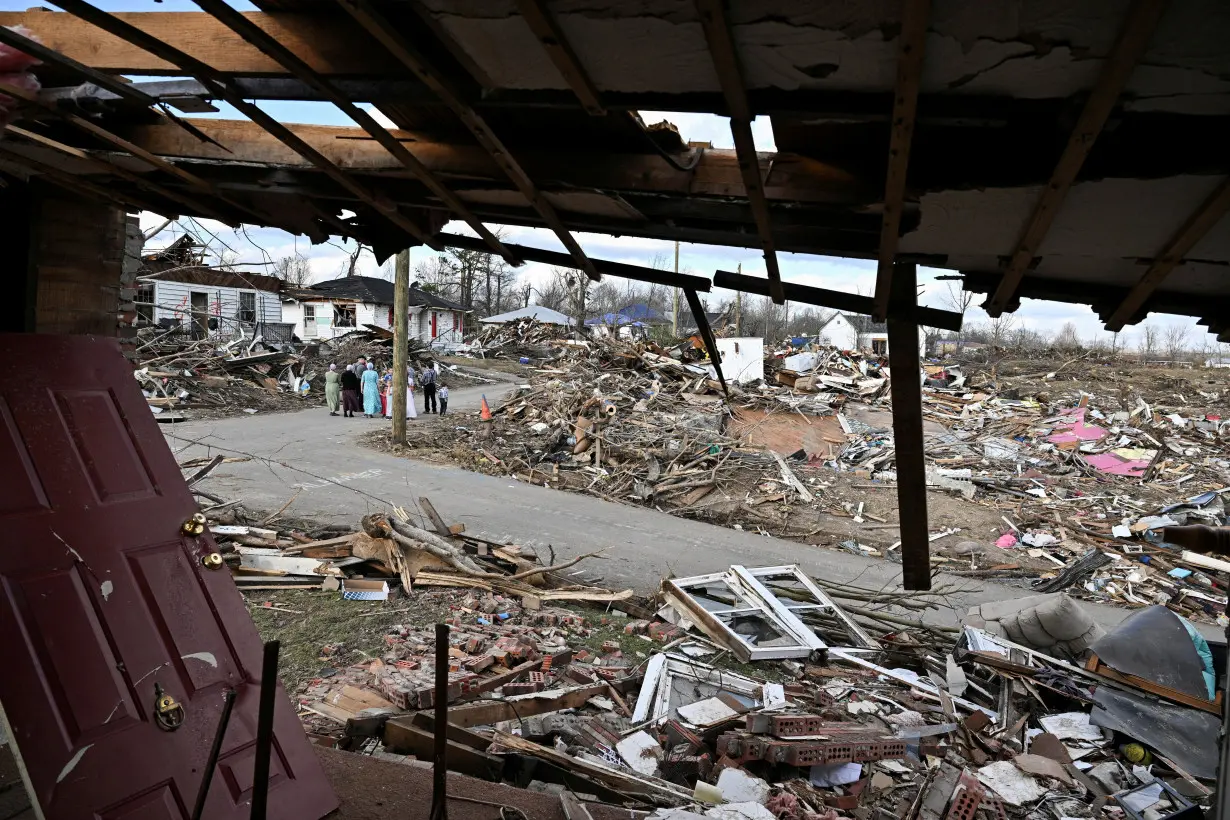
337 307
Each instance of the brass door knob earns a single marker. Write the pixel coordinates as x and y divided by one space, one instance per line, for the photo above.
194 525
212 561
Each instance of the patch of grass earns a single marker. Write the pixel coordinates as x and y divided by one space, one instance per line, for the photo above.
328 620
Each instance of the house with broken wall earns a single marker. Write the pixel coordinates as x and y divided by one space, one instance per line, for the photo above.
176 289
850 331
327 310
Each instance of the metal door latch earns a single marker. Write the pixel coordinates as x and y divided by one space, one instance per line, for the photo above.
168 713
194 525
212 561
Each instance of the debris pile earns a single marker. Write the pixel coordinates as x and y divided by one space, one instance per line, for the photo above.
524 338
207 378
1054 485
831 714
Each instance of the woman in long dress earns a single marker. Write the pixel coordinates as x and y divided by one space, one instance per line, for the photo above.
411 413
371 392
333 390
350 392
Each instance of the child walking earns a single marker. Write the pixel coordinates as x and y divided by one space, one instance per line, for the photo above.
442 395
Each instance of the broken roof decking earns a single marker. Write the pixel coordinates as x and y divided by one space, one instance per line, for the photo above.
1001 87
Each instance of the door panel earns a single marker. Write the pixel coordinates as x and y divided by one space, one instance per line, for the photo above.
103 603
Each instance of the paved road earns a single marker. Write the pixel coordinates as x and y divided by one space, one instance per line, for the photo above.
341 480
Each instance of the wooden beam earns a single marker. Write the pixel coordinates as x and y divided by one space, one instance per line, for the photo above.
911 46
523 706
906 390
635 272
218 84
400 47
73 183
560 52
1191 232
328 47
730 77
706 335
1133 39
121 172
837 300
252 33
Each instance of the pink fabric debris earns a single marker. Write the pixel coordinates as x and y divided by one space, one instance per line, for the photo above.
1076 430
1116 465
1006 541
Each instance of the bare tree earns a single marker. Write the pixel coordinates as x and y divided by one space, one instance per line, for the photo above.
293 270
351 266
1001 329
1176 342
1068 338
1150 337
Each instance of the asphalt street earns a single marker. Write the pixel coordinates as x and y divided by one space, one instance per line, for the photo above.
339 480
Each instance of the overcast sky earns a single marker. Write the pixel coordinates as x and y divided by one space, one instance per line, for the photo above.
256 245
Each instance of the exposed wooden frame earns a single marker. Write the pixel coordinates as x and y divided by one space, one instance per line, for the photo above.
158 162
387 34
1191 232
837 300
911 47
1133 39
219 86
730 76
253 34
560 52
121 172
706 335
75 184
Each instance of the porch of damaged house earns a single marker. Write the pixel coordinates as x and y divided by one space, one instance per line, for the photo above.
1072 152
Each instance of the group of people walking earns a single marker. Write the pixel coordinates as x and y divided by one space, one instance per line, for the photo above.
359 389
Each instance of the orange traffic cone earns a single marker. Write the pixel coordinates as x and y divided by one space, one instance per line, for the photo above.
485 415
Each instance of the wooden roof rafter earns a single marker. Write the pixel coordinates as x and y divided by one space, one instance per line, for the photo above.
1134 36
255 35
93 129
911 46
560 52
1193 229
219 85
74 184
375 23
730 76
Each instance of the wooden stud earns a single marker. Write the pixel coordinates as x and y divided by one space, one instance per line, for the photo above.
906 391
382 30
560 52
252 33
217 84
1191 232
74 183
730 77
1116 70
911 46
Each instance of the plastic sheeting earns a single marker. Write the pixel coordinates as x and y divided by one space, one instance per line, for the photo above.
1186 736
1154 644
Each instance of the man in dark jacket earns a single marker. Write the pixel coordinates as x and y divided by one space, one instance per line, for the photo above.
428 381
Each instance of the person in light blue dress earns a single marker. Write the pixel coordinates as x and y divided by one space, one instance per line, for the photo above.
371 392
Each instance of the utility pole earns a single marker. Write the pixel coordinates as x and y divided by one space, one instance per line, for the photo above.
675 300
401 339
739 307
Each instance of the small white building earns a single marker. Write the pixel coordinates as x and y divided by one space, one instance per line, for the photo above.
742 358
208 302
538 313
334 308
852 331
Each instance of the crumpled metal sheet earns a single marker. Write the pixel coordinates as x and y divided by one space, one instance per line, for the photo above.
1186 736
1153 644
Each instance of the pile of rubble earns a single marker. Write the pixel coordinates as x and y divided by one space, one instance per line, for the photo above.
1057 474
752 694
524 338
183 378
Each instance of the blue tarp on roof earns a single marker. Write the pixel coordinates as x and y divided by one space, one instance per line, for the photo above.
611 319
641 312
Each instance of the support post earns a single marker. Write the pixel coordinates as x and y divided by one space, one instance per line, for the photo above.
908 428
675 300
739 306
401 341
439 769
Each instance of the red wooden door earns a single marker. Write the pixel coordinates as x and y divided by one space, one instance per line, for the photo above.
102 599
